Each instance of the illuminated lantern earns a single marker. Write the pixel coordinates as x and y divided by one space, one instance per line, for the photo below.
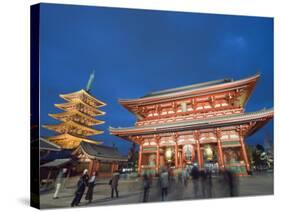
169 154
188 151
208 152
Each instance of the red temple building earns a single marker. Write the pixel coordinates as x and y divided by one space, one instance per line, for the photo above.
204 123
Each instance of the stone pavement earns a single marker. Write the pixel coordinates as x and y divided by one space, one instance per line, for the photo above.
130 191
102 192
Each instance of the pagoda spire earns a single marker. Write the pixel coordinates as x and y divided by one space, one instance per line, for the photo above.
90 81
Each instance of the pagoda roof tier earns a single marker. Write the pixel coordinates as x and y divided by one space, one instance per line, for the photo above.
68 141
49 146
75 115
74 128
80 106
57 163
244 86
260 117
99 152
83 96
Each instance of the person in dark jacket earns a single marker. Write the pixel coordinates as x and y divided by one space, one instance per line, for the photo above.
231 182
195 179
146 187
203 182
91 185
114 184
164 183
81 186
209 183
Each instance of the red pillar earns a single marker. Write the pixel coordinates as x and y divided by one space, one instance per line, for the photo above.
220 152
182 158
91 167
199 155
157 140
140 160
97 166
175 136
158 159
244 152
176 154
180 155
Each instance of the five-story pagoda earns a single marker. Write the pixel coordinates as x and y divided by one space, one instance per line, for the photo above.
77 120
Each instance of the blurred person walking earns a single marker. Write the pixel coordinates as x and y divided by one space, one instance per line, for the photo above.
195 179
114 184
232 182
59 182
209 183
203 182
164 183
81 186
146 187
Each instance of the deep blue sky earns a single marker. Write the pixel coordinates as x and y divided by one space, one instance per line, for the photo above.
135 52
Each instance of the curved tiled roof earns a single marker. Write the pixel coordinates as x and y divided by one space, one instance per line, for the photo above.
190 90
188 87
101 152
57 163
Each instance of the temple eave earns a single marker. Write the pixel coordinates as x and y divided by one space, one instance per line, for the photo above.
261 119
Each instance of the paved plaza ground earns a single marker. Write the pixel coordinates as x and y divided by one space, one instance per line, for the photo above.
130 191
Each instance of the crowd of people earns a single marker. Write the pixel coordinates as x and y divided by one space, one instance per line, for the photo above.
85 185
89 182
200 181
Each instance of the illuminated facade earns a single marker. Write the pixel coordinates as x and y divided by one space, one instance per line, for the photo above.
201 123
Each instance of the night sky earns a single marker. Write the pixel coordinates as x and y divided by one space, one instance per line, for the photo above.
135 52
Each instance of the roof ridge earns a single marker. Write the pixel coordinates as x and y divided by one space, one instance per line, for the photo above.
102 146
196 85
114 153
190 88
